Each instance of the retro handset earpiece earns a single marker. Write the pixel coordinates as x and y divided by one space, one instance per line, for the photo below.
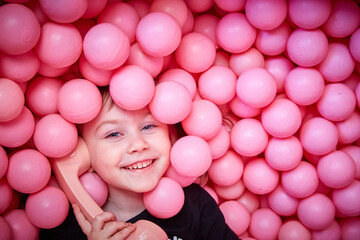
67 170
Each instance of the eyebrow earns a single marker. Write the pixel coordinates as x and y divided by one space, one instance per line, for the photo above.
107 122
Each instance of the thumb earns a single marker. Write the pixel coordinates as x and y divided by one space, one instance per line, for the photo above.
83 222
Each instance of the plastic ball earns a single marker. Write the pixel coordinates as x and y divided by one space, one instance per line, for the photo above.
6 195
182 180
236 216
204 120
354 153
106 46
264 224
175 8
230 192
256 87
97 76
331 232
4 162
251 58
199 6
54 136
279 67
249 200
158 34
189 23
95 187
242 110
171 102
206 24
11 100
21 227
17 131
317 204
350 227
50 71
282 203
131 87
94 8
219 144
354 45
64 11
190 156
294 230
230 6
357 94
345 199
196 52
5 230
248 137
234 33
19 27
166 200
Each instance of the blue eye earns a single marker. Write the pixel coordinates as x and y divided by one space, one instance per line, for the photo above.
113 134
149 126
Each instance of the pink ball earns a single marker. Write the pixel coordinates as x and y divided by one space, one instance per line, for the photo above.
301 181
132 87
190 156
95 187
318 136
230 192
318 205
250 200
204 120
251 58
6 195
49 71
176 9
189 23
284 154
279 67
354 45
64 11
106 46
242 110
54 136
17 131
294 230
338 63
282 203
236 216
141 7
94 8
11 100
248 137
5 230
171 102
350 228
158 34
354 153
231 164
234 33
206 24
230 6
182 180
166 199
346 199
357 94
21 227
259 177
47 208
97 76
264 224
349 129
198 6
256 87
219 144
304 86
217 84
307 47
4 161
309 14
19 27
196 52
332 232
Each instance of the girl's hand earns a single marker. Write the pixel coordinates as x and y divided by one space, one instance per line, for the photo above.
104 226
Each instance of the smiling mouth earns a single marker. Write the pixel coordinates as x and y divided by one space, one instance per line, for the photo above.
140 165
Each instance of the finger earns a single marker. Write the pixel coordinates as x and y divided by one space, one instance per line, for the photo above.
101 219
85 225
124 232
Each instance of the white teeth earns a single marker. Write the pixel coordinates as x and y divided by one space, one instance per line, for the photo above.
140 165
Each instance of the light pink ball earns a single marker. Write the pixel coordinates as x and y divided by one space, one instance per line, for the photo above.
19 27
158 34
219 144
337 103
354 45
12 100
236 216
132 87
95 186
196 52
307 47
182 180
242 110
283 154
204 120
249 200
171 102
251 58
279 67
231 192
4 161
248 137
264 224
5 230
234 33
54 136
259 177
301 181
17 131
294 230
338 63
166 199
175 8
64 11
350 227
346 199
95 75
6 195
206 24
106 46
333 232
282 203
318 205
354 152
318 136
190 156
21 227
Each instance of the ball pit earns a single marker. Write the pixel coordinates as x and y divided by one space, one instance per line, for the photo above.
268 96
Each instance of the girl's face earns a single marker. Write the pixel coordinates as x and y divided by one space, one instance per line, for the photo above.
129 149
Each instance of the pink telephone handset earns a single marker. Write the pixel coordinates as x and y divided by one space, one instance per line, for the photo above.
67 171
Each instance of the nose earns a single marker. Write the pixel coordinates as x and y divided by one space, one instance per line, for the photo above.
137 143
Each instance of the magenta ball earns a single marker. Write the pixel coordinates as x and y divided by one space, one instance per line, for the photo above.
307 47
21 227
217 84
5 230
251 58
12 100
354 45
95 187
106 46
4 161
47 208
248 137
166 199
317 204
6 195
331 232
231 164
234 33
301 181
196 52
204 120
132 87
54 136
242 110
17 131
182 180
264 224
190 156
294 230
279 67
346 199
171 102
259 177
19 27
318 136
236 216
64 11
219 144
158 34
256 87
282 203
